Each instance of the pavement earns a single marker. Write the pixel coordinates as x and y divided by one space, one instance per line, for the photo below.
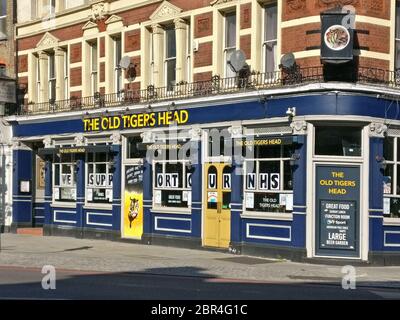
98 257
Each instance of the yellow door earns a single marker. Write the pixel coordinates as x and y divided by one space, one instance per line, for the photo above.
217 220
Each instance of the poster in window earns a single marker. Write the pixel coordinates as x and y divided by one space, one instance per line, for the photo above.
133 202
40 174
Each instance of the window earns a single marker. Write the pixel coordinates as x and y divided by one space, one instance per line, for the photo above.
99 183
64 178
397 39
3 18
38 99
338 141
170 57
270 38
134 149
52 77
268 183
66 77
117 68
93 67
230 42
172 183
391 177
188 54
52 7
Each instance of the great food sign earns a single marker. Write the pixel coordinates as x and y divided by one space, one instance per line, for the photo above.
338 207
137 120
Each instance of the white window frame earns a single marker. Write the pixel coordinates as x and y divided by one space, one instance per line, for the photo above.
395 163
66 75
52 59
159 207
168 59
118 76
397 37
94 85
60 163
257 189
3 17
95 163
226 49
38 98
189 53
266 42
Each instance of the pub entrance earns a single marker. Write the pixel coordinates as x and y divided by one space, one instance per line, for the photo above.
337 210
217 199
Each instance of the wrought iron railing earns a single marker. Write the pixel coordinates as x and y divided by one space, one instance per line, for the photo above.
215 86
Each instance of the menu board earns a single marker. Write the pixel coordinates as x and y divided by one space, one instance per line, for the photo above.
337 224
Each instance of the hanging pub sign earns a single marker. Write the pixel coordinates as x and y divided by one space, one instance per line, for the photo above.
337 37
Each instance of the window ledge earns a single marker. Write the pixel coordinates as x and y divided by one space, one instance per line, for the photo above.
391 221
267 215
171 211
98 206
63 205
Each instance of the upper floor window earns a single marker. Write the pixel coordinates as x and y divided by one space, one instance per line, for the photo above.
66 75
170 57
3 17
397 38
270 38
93 67
37 89
230 42
188 54
117 68
52 77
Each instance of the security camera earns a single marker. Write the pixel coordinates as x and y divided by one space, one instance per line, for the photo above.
291 112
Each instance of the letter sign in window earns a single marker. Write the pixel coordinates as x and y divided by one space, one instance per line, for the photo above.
212 181
160 180
226 181
188 180
263 181
274 183
251 181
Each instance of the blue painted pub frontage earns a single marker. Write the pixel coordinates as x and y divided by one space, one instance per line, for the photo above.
305 175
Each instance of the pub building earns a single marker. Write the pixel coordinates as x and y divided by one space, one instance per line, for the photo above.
302 167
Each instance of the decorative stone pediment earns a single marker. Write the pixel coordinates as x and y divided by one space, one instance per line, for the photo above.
215 2
89 25
164 11
48 41
113 19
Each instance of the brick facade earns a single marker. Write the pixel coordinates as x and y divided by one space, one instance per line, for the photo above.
76 53
295 9
132 40
75 76
203 57
203 25
245 16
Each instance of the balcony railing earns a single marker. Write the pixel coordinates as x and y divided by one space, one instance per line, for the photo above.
215 86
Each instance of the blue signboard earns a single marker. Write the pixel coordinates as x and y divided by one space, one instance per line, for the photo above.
337 210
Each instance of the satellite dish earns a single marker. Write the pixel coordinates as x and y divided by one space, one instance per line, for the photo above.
237 60
125 62
288 60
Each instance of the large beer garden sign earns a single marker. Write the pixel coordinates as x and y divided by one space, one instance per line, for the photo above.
337 210
137 120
